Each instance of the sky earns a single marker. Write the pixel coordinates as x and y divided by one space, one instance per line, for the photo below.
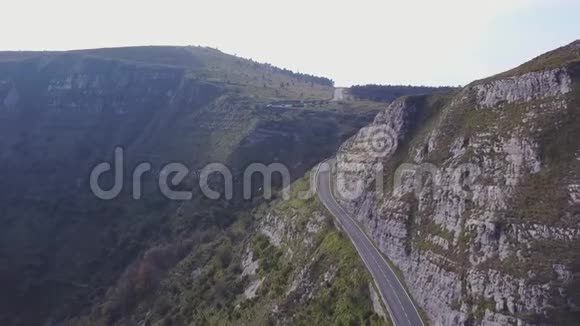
418 42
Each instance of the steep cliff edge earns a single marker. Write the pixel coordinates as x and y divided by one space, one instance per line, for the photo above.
480 209
62 249
282 263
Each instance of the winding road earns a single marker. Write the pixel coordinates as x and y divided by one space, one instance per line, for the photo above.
401 308
338 94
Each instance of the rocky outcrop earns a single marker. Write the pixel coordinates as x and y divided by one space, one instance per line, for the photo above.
250 292
456 216
317 268
249 264
524 88
277 229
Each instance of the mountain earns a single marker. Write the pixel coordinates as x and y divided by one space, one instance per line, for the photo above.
63 251
478 203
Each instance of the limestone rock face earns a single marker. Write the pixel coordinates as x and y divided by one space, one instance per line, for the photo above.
478 209
528 87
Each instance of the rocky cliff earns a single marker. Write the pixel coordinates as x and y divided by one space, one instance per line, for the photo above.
477 203
61 113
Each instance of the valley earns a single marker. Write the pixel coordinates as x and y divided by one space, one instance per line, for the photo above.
438 205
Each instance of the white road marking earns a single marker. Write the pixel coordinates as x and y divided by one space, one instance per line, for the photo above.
381 272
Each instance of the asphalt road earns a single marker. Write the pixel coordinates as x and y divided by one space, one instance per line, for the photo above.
338 94
399 304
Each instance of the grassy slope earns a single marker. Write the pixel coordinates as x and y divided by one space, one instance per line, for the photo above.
256 80
214 296
243 76
562 56
61 255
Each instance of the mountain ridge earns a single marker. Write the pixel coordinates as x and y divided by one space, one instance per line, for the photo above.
496 247
61 115
479 212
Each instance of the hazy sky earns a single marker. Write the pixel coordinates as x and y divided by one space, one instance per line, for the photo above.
363 41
